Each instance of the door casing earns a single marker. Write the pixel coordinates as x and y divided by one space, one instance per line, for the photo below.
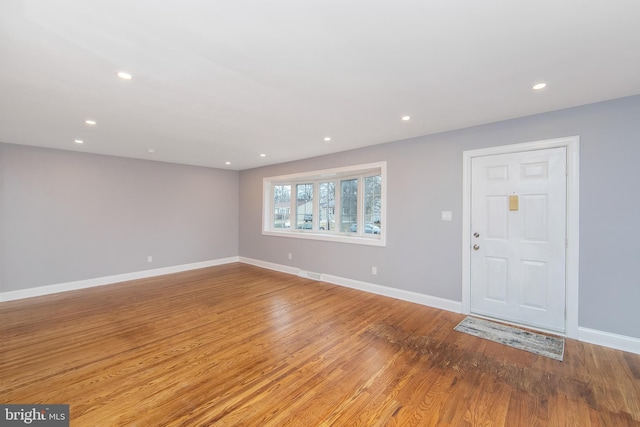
572 144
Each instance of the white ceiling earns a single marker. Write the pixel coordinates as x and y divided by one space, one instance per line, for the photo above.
218 81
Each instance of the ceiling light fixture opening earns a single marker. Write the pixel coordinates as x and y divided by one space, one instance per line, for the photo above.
327 139
406 118
227 163
78 141
90 122
124 75
263 155
151 150
539 86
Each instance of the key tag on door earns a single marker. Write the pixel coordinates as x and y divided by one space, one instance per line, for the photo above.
513 203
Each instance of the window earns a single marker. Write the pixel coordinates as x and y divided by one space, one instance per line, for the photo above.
326 206
349 199
344 205
304 206
282 204
372 201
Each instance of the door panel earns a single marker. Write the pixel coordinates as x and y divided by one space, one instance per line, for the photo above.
497 272
518 210
534 284
534 217
496 218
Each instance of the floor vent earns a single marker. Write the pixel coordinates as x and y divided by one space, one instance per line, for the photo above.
310 275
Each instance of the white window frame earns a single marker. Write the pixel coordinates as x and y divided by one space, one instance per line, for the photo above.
315 177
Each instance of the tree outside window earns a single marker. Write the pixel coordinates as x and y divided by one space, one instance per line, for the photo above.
349 205
373 200
327 206
304 206
282 206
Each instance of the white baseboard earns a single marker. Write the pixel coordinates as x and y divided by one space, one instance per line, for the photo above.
107 280
386 291
270 265
607 339
422 299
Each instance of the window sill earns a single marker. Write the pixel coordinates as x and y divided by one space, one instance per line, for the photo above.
339 238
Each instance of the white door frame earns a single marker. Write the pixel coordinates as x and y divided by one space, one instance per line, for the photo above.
572 144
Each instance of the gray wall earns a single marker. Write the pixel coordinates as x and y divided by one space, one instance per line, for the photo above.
424 254
67 216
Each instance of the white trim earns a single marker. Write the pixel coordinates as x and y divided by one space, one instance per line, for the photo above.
270 265
108 280
572 144
430 301
338 238
607 339
329 173
401 294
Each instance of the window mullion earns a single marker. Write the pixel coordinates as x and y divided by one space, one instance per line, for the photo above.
315 208
269 206
337 206
360 218
292 206
275 205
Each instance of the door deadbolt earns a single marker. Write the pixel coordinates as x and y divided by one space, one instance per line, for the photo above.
476 234
476 247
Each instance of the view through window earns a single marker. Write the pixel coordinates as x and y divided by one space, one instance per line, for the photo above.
344 204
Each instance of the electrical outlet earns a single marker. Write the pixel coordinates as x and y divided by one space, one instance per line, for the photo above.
149 258
374 270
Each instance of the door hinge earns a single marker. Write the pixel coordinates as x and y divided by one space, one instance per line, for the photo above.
566 243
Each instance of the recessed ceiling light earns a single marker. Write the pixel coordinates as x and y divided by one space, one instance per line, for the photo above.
263 155
539 86
90 122
151 150
124 76
78 141
327 139
227 163
406 118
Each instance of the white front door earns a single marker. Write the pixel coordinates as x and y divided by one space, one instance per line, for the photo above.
518 237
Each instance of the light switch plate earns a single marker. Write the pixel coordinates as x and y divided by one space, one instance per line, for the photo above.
447 215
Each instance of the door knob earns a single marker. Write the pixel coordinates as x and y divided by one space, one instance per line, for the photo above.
476 247
476 234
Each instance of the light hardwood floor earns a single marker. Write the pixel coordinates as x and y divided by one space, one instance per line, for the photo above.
242 346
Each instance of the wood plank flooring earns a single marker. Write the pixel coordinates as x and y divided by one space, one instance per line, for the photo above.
237 345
